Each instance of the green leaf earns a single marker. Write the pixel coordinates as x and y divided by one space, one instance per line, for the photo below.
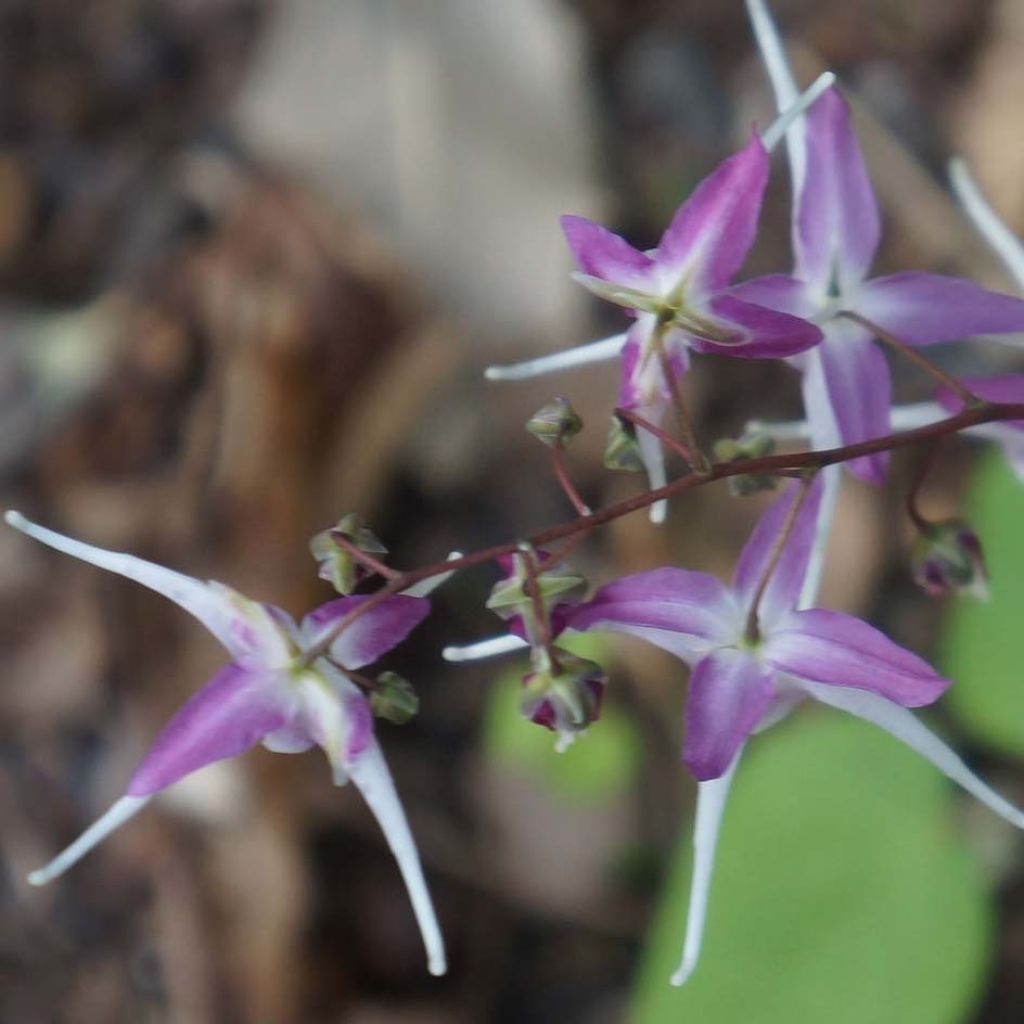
601 764
983 641
842 894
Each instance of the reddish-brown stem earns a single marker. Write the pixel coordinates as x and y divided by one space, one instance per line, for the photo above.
697 459
540 615
752 631
363 558
665 438
915 357
969 417
562 476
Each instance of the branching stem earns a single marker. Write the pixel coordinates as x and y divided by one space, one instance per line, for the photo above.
972 416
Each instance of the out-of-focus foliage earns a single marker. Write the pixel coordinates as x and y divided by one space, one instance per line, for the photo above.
982 642
843 892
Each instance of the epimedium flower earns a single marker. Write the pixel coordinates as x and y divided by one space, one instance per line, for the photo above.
269 693
836 231
755 654
678 294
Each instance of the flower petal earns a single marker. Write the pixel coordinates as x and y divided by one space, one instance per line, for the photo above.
768 334
905 726
778 291
993 229
582 355
208 604
232 713
712 795
504 643
603 254
858 390
837 223
787 579
923 308
370 635
711 233
780 74
840 650
369 772
685 613
729 692
123 809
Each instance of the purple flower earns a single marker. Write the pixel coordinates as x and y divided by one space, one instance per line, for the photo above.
268 694
754 656
678 293
847 387
1009 433
751 664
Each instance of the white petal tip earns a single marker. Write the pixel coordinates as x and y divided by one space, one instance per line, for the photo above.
438 966
659 512
494 373
38 878
682 976
488 648
15 519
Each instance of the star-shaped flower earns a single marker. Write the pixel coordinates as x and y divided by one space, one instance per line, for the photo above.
836 231
755 655
678 293
268 694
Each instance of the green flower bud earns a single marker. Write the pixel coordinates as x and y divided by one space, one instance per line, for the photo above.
338 565
947 556
555 424
393 698
750 446
564 694
622 450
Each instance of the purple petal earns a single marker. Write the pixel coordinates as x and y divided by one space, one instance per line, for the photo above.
729 692
601 253
712 231
857 389
767 334
232 713
838 649
837 224
682 612
923 308
787 579
371 635
642 382
778 291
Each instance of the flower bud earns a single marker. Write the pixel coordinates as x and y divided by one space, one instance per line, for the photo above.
557 585
947 556
750 446
622 450
393 698
564 694
337 564
556 423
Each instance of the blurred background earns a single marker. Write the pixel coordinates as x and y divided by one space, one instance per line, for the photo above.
253 259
